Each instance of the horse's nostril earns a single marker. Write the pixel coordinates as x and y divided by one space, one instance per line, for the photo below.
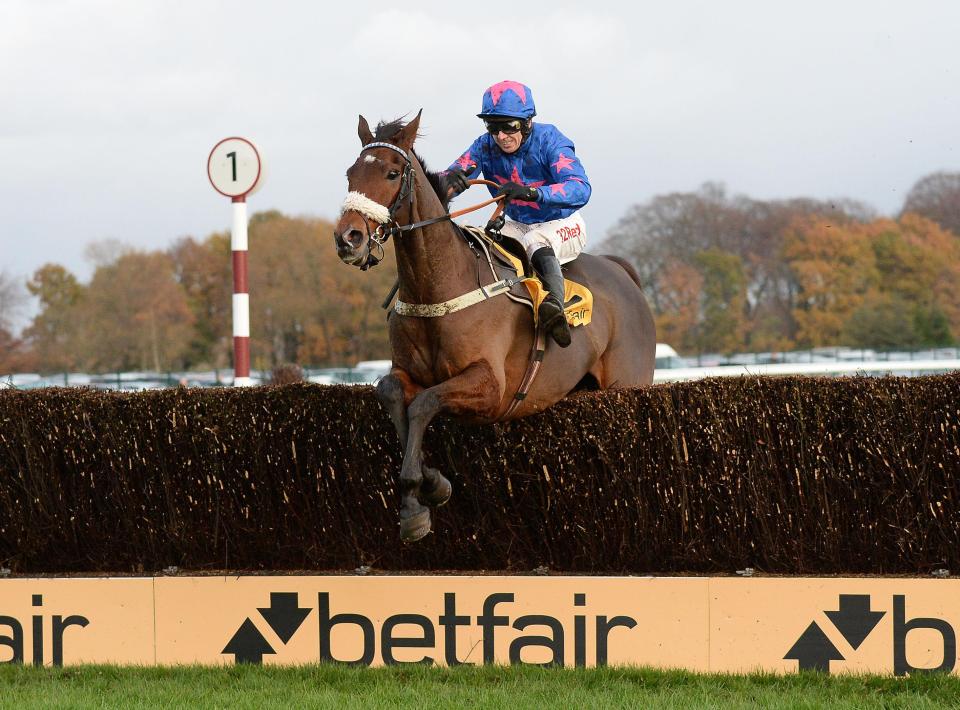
353 237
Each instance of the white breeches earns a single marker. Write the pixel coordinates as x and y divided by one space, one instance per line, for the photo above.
567 236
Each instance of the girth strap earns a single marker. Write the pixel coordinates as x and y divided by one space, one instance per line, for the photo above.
434 310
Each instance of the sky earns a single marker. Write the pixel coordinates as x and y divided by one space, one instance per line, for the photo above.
110 108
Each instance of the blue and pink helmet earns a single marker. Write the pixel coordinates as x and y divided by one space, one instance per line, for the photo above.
508 99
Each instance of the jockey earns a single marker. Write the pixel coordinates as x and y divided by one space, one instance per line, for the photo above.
544 184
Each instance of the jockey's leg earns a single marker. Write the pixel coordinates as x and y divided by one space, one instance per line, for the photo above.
551 313
549 244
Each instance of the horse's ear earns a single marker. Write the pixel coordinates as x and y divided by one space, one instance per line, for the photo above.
409 133
364 131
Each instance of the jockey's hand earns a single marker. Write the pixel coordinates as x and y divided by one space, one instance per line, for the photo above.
516 191
453 182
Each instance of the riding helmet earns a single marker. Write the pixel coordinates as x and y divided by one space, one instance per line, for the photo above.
508 99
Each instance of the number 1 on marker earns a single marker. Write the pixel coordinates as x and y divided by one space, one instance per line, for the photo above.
234 170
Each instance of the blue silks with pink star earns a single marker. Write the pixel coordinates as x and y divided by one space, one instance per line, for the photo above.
546 161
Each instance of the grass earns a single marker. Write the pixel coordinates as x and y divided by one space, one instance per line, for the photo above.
464 687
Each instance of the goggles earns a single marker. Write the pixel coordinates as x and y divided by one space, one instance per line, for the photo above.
508 127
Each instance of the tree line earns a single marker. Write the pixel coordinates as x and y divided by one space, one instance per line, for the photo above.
732 274
723 274
171 310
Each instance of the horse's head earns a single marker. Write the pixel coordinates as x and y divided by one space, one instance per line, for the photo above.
380 184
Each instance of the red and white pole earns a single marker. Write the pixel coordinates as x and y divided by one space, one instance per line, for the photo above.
235 170
241 295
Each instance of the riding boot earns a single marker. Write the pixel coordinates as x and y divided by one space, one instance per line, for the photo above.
551 313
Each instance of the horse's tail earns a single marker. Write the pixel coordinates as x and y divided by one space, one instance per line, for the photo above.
627 266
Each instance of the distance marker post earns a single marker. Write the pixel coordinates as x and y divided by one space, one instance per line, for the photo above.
235 171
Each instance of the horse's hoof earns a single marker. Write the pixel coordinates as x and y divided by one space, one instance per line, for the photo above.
416 527
435 490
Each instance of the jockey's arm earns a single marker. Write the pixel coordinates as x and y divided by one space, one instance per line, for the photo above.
453 180
569 186
468 163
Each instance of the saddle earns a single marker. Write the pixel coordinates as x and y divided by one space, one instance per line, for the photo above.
507 258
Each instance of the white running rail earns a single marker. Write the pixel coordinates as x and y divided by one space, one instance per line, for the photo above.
822 369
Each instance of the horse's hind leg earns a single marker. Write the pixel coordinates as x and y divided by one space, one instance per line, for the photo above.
475 391
392 392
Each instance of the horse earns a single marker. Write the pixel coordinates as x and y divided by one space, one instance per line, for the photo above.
470 364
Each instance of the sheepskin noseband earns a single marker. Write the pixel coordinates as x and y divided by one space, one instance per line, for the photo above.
358 202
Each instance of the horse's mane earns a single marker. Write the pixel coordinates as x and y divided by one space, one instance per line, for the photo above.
386 130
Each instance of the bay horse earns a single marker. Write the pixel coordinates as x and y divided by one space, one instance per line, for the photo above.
470 363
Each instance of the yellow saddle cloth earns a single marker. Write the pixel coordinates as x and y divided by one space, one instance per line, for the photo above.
577 298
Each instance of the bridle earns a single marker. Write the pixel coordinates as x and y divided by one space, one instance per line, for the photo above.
387 225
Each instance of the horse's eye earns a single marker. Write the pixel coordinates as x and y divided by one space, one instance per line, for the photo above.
393 175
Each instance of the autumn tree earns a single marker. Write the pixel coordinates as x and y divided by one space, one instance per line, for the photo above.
173 309
362 328
15 354
136 315
680 289
934 269
885 284
834 269
307 305
883 321
919 267
286 280
674 229
204 272
722 302
936 197
54 333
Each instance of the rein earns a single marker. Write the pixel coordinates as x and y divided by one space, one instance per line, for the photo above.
359 202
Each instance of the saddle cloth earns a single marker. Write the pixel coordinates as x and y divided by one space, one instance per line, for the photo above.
577 298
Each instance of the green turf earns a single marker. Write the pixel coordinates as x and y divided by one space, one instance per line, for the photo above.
465 687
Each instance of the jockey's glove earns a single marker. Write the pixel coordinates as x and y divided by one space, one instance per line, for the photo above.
516 191
455 180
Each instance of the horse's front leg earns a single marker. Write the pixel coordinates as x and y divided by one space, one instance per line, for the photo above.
394 392
475 392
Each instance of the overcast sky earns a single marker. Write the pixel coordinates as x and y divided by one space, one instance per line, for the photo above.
109 109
